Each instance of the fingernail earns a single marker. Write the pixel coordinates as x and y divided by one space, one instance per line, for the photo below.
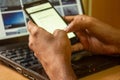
31 23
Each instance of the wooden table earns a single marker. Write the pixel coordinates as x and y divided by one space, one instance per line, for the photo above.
109 74
7 73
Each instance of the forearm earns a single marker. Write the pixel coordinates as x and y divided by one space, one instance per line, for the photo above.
60 71
62 74
105 32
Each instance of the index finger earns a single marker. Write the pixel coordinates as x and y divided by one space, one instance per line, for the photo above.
34 29
31 27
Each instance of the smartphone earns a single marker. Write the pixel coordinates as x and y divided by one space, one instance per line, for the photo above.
45 15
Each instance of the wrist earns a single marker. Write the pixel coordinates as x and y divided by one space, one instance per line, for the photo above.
60 71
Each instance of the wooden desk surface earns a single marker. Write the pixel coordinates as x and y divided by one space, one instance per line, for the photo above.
108 74
7 73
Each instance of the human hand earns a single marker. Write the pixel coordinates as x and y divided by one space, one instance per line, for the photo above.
53 51
94 35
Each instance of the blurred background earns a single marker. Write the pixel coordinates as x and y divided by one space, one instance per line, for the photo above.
106 10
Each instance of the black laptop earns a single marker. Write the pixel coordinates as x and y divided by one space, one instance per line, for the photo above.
14 50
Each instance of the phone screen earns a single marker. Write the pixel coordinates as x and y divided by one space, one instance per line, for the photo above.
44 15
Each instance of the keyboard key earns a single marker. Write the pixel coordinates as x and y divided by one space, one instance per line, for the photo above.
25 64
17 58
11 56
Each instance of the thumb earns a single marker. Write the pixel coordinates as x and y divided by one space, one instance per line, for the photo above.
61 35
77 47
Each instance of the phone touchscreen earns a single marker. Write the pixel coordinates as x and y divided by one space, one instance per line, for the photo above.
44 15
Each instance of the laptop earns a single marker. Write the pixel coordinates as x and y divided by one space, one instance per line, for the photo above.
14 50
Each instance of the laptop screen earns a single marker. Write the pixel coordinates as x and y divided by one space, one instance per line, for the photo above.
13 20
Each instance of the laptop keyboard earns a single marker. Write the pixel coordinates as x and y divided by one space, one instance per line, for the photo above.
24 57
94 63
82 66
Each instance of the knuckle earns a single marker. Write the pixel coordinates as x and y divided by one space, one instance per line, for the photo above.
84 18
35 31
30 45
